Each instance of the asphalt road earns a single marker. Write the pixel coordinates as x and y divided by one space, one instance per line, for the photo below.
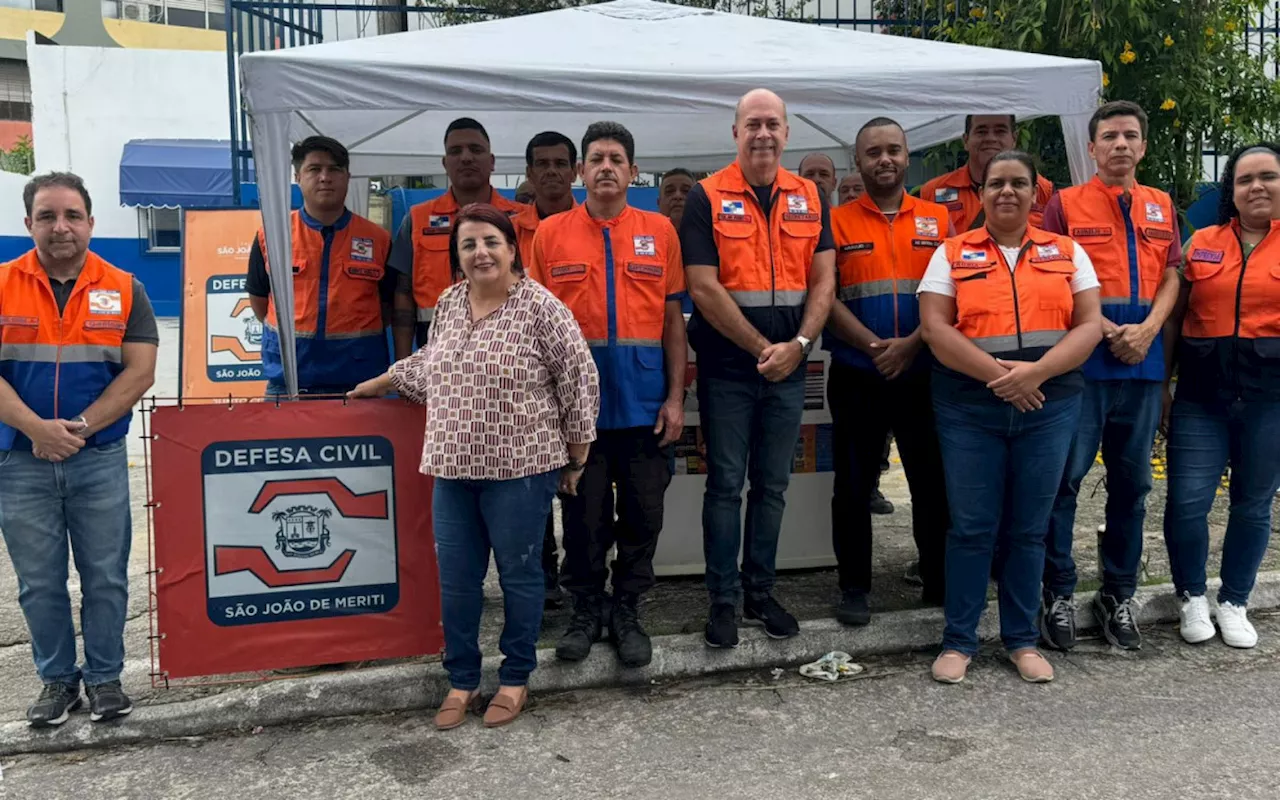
1173 721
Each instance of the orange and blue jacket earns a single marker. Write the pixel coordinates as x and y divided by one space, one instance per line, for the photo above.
59 363
1230 347
526 222
340 335
432 223
1014 314
879 264
1129 247
616 276
956 191
764 262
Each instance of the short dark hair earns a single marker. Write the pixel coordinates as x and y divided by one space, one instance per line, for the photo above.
482 212
1013 155
549 139
882 122
466 124
613 131
1117 108
1227 210
320 144
677 171
968 120
66 180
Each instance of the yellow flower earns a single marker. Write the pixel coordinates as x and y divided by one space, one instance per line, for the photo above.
1177 123
1169 104
1209 31
1128 57
1226 119
951 7
1168 41
977 13
1229 26
1106 80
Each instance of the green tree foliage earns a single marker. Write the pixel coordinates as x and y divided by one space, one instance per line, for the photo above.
21 158
1187 62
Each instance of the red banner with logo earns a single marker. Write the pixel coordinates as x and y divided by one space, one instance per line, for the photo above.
291 535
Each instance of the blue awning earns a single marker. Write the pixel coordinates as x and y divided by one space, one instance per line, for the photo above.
187 173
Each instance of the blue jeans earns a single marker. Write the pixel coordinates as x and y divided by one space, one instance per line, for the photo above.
751 428
1203 438
470 518
1122 417
81 504
1003 468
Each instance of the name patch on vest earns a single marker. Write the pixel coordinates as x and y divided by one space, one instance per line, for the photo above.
361 249
733 217
858 247
927 226
644 270
20 322
1208 256
924 242
1090 232
104 301
1155 213
790 217
372 273
104 325
1158 233
568 269
644 245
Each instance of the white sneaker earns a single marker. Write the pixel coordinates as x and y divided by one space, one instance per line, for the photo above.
1196 626
1237 630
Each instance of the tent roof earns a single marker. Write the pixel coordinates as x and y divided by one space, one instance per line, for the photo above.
671 74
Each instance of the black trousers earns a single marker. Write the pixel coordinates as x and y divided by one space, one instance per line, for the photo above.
550 558
864 408
631 460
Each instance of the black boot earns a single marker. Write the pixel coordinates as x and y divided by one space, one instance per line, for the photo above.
634 647
584 628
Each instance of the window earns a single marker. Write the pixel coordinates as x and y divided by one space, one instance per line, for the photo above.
161 228
49 5
186 18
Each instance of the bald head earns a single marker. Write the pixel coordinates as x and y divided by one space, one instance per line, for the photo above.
760 98
819 168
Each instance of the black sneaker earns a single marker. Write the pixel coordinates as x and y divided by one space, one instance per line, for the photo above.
584 628
722 626
55 704
107 701
1058 621
880 504
634 647
853 609
1118 623
766 611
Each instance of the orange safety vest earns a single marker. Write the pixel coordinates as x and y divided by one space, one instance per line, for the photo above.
879 264
1230 346
526 223
1015 314
955 191
59 363
336 301
616 276
432 223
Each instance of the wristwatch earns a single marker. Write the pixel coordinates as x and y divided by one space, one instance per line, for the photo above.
575 465
806 344
83 423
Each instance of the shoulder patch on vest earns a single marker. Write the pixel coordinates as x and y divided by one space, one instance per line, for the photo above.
1155 213
946 195
104 301
1208 256
361 249
437 223
927 226
644 245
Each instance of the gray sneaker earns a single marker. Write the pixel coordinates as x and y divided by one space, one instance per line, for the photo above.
55 704
107 701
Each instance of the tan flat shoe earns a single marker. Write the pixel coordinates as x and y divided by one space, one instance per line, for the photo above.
1032 665
503 710
950 666
453 711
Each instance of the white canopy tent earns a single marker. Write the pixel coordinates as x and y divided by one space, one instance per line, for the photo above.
671 74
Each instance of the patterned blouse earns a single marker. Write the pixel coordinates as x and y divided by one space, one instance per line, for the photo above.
503 394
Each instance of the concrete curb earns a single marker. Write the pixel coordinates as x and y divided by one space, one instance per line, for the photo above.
412 687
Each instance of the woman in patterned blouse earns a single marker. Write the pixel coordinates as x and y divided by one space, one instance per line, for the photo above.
512 394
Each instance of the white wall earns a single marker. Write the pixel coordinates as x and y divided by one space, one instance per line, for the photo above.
87 102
